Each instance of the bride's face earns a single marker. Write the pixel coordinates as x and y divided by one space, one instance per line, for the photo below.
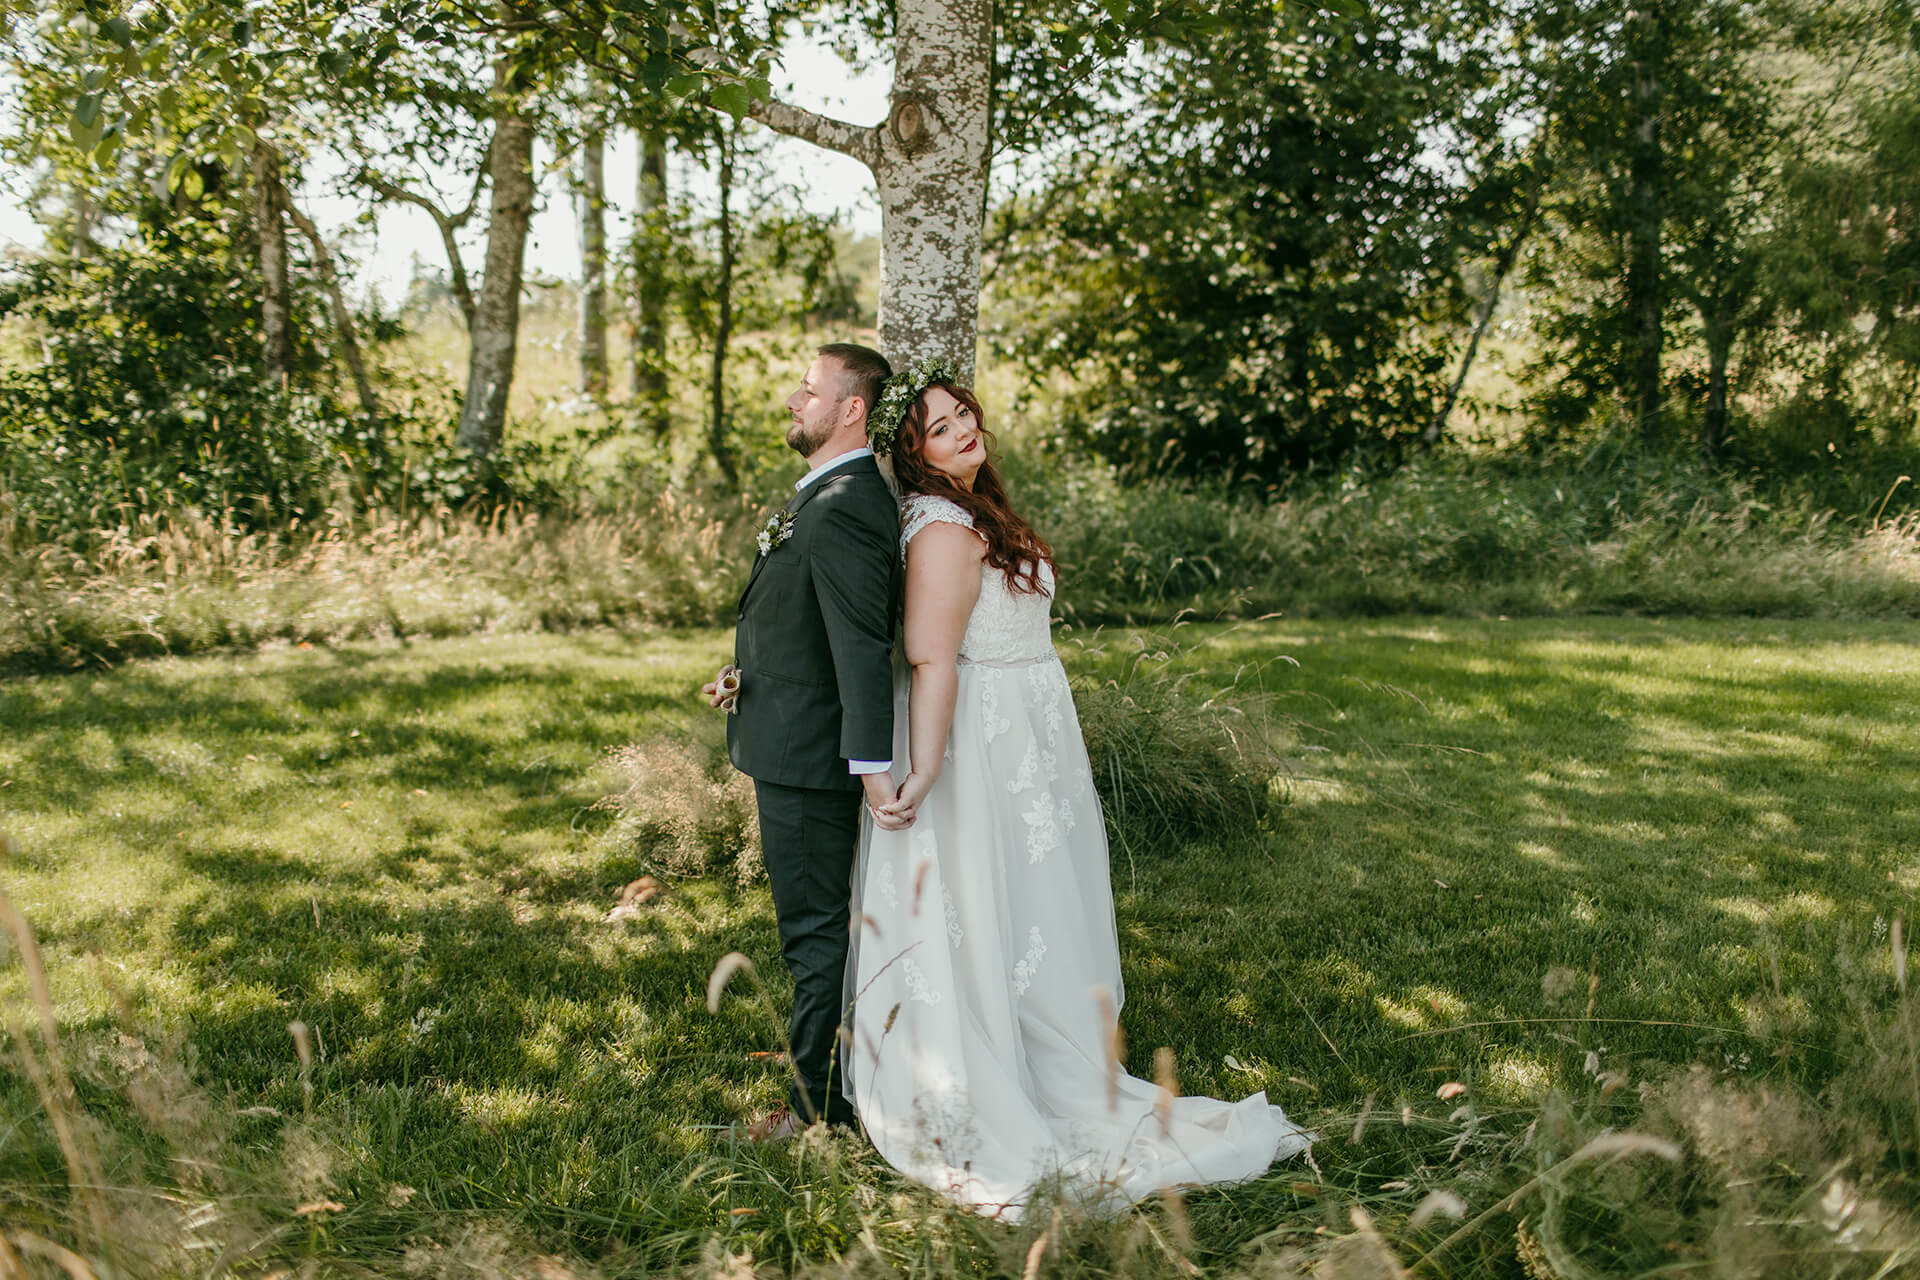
952 444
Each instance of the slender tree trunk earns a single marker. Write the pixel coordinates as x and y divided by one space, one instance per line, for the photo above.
83 219
1646 217
1713 428
592 211
723 309
270 230
650 285
1502 267
496 319
345 332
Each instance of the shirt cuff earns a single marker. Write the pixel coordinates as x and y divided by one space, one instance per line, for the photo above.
857 767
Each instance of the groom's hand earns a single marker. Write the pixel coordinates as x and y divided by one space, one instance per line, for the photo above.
723 691
905 805
880 802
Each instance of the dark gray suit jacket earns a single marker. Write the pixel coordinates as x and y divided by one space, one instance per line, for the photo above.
814 636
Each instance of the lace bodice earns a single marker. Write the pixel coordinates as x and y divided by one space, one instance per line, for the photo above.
1006 625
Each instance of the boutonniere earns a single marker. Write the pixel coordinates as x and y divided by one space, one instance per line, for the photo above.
777 529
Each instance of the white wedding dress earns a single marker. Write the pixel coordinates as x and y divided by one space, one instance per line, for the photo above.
984 942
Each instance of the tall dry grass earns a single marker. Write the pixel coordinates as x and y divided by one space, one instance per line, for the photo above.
183 584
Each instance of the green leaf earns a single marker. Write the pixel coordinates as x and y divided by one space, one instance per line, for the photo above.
118 31
86 110
243 33
761 88
656 71
109 148
681 88
335 63
385 51
732 99
86 136
193 184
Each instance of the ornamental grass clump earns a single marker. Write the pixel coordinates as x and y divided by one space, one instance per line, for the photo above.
683 809
1174 756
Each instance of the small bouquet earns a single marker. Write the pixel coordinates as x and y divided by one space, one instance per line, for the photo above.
727 685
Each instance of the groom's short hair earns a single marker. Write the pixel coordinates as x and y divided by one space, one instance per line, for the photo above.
863 371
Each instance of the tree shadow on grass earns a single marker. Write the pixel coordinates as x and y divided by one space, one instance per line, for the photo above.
1494 807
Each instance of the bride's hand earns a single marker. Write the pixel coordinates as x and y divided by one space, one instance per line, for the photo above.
880 801
907 804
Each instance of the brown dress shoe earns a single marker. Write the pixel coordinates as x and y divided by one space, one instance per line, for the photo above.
777 1125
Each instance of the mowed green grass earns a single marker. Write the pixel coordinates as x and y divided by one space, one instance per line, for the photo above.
1505 844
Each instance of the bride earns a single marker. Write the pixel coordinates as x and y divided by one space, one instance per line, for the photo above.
986 975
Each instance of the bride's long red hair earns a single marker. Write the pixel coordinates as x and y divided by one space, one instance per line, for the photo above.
1012 545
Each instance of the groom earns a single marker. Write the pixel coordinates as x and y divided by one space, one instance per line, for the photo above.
814 713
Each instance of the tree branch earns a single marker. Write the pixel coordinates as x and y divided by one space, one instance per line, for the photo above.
342 316
860 142
448 223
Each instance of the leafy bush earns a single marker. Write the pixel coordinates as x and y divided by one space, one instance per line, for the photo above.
150 392
149 397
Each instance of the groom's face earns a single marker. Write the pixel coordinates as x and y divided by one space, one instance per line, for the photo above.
815 410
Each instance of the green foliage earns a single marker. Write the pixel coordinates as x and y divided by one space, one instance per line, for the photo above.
149 393
1259 269
1608 528
1174 757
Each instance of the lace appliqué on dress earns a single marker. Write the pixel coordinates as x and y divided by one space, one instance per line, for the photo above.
992 723
1029 963
883 884
916 980
1043 828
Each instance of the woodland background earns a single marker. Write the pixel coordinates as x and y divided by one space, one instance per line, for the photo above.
1551 370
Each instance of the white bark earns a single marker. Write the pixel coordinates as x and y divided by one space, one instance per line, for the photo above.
929 159
496 321
592 202
932 175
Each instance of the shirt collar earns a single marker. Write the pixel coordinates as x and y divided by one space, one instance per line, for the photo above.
839 459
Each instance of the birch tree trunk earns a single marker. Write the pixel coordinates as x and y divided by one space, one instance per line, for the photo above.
270 232
592 210
929 160
496 318
650 285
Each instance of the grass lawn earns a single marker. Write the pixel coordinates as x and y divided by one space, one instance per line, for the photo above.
1508 846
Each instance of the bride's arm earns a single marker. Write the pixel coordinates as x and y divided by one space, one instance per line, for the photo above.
943 583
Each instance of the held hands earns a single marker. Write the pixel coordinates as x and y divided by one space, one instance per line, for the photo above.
897 811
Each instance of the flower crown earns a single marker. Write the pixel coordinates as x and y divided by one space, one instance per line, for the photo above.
898 395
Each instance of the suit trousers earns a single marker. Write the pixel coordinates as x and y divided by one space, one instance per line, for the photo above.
809 839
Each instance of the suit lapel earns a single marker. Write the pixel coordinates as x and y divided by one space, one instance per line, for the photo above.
799 500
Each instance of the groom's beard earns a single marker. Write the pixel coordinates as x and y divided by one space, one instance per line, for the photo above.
806 442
